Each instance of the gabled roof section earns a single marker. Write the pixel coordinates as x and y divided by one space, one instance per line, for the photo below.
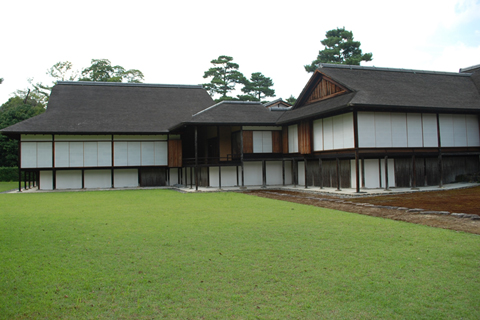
320 87
400 88
99 107
234 113
278 104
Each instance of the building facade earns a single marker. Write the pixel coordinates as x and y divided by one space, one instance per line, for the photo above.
351 127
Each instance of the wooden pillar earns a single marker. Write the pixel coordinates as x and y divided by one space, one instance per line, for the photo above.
440 161
320 169
236 173
357 169
54 171
264 174
386 173
363 172
83 178
440 170
113 163
414 173
283 172
219 176
191 177
357 173
241 157
338 174
196 158
380 172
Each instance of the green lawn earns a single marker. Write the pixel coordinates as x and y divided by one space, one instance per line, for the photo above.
6 186
152 254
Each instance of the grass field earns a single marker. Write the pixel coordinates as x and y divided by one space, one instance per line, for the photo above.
151 254
6 186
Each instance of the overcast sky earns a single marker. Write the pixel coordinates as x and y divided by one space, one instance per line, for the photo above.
173 42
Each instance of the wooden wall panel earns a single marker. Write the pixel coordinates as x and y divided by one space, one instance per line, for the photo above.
305 137
247 141
277 146
174 153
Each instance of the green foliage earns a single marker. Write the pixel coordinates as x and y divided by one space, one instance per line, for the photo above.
257 88
1 80
8 174
152 254
15 110
224 76
339 48
291 100
102 70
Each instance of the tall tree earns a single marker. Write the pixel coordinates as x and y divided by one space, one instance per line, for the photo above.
291 100
225 76
339 48
257 88
60 71
102 70
16 109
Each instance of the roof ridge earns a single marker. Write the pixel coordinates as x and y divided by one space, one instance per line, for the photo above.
227 101
373 68
130 84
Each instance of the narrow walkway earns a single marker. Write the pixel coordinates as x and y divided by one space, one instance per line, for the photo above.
347 192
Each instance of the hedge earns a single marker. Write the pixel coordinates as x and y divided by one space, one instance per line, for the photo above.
8 174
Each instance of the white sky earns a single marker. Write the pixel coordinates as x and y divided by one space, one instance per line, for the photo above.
172 42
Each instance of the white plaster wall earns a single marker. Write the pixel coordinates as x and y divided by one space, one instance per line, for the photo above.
399 129
301 173
318 135
366 129
161 153
252 173
62 154
229 176
391 172
473 131
174 172
68 179
274 172
414 130
46 180
293 138
125 178
98 179
29 154
430 136
372 178
148 153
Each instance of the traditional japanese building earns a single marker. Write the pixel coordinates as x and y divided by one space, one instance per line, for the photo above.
351 127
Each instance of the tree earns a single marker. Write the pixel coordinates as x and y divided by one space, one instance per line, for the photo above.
292 100
102 70
257 88
339 48
16 109
225 76
1 80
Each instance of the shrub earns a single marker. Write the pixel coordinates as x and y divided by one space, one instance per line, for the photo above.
8 174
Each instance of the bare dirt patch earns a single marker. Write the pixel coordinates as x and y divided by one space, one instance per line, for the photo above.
454 201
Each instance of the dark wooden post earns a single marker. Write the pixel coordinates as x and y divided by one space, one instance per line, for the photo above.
357 169
241 156
83 179
196 158
112 172
191 177
386 174
440 170
219 176
20 164
380 171
338 174
283 172
414 173
440 161
264 174
363 172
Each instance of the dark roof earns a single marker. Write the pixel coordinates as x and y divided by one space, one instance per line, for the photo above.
96 107
399 89
235 113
